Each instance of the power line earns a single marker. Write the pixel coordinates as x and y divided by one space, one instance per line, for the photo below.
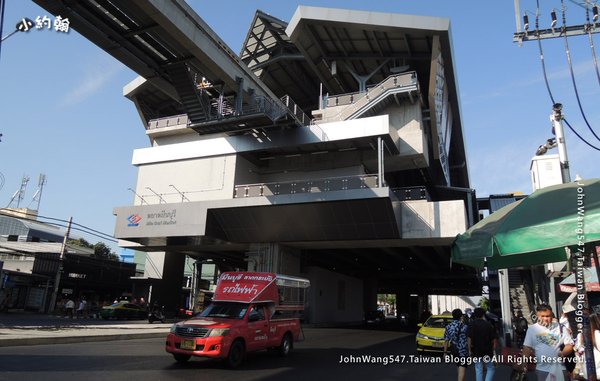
568 52
79 227
544 71
588 26
579 136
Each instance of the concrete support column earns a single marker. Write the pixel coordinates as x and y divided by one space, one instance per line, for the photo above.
505 305
168 291
403 303
274 257
423 306
370 294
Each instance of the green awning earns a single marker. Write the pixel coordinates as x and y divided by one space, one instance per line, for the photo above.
534 230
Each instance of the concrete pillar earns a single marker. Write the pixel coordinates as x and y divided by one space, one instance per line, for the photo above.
168 291
274 257
370 294
403 303
423 305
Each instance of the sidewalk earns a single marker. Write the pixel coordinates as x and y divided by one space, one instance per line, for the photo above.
22 328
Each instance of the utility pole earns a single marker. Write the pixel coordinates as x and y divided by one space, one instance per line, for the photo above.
564 31
561 143
61 258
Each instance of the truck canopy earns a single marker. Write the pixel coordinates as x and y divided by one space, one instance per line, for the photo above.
286 292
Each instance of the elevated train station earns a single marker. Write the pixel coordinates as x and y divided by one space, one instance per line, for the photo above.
331 148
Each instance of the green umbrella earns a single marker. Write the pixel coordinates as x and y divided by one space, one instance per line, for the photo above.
534 230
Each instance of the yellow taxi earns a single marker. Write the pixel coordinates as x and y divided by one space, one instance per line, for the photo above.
430 337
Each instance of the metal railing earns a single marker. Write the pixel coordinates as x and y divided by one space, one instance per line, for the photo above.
171 121
356 102
305 186
295 111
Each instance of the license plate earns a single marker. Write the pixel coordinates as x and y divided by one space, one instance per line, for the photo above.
437 344
188 344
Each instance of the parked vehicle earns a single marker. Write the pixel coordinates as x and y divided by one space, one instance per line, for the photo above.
430 337
249 312
156 313
374 317
123 310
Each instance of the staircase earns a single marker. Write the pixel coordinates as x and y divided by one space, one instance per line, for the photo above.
194 104
519 291
405 83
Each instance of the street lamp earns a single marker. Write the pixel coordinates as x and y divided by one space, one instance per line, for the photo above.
22 26
182 194
160 199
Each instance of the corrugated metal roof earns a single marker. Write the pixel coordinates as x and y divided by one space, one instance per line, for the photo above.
500 202
41 247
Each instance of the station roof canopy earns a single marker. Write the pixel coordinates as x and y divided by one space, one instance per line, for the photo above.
337 48
339 42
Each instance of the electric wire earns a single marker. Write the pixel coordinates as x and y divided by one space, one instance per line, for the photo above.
537 30
568 52
588 26
579 136
546 77
63 223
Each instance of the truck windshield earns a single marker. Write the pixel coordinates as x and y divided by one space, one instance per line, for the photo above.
225 310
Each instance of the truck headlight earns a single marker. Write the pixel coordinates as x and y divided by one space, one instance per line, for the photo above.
218 332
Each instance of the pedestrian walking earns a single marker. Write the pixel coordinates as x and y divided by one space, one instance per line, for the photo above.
482 342
455 339
550 343
81 310
520 325
69 307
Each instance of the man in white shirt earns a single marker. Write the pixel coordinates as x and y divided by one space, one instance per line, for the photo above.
69 307
550 343
81 310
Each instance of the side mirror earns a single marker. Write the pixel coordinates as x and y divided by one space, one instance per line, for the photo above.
420 325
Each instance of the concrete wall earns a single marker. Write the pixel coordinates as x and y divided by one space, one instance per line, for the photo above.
274 257
174 136
153 266
422 219
246 172
227 145
209 178
334 297
23 265
296 173
443 303
407 120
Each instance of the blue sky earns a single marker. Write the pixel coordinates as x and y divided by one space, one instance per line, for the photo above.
62 112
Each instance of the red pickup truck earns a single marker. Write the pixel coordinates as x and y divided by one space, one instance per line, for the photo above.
250 311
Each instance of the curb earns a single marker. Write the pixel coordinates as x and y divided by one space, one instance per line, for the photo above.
77 339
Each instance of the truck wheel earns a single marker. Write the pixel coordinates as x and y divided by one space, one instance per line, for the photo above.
286 345
181 358
236 354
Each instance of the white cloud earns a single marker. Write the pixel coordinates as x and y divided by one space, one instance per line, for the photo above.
94 78
584 73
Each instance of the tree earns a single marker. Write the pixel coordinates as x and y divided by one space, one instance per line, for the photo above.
484 303
103 251
100 249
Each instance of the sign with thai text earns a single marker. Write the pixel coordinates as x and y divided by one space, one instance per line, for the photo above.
246 287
